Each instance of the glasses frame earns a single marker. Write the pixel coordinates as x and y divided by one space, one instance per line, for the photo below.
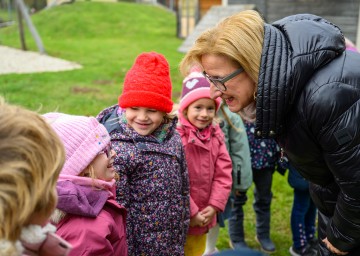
220 82
106 150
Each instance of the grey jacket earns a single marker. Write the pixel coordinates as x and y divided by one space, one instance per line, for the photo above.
237 145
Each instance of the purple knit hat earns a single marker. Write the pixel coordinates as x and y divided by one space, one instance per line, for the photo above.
195 86
83 138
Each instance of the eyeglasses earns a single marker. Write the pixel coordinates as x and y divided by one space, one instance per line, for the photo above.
220 82
106 150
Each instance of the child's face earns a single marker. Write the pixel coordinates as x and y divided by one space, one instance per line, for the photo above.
103 164
201 112
144 120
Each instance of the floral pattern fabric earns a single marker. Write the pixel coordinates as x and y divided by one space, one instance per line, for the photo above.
153 186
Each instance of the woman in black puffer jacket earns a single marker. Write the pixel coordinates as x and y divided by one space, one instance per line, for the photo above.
296 80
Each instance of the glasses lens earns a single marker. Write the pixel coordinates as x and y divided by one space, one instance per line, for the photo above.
215 82
106 150
219 85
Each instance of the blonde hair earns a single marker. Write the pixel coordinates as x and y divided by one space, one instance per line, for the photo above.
228 120
31 158
90 172
239 37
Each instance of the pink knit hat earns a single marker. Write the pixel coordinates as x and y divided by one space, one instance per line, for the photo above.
195 86
83 138
148 84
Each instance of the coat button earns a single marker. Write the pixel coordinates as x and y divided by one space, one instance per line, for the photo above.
272 133
192 141
258 133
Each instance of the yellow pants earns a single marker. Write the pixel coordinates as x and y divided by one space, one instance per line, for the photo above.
195 245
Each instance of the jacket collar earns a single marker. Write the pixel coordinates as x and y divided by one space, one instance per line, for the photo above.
294 48
273 89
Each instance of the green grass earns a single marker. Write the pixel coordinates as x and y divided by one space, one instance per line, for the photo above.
106 38
103 37
280 218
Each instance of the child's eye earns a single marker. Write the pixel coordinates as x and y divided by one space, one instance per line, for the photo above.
152 110
134 108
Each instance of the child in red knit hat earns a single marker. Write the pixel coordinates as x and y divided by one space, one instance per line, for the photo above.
150 160
209 163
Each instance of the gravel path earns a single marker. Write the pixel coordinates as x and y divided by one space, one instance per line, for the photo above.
20 62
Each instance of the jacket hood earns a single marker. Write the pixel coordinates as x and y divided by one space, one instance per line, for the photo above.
294 49
184 127
80 200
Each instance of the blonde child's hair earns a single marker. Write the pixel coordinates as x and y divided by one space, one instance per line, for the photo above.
238 37
90 172
228 120
31 158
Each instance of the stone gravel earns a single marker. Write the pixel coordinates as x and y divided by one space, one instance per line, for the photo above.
22 62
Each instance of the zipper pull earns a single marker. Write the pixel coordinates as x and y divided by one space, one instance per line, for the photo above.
281 155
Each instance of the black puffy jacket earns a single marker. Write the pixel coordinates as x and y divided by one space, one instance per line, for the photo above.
309 100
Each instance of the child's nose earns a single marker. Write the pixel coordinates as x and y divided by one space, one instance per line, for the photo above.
112 153
204 112
143 116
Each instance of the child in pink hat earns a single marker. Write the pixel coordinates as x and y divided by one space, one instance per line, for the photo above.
209 163
87 214
150 159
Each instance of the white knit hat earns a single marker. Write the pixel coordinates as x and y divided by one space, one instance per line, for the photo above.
83 138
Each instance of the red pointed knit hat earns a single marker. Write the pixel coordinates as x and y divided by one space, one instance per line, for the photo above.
148 84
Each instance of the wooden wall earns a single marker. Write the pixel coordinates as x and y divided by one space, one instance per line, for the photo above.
344 13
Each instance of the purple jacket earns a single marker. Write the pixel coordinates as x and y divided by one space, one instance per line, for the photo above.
153 185
94 222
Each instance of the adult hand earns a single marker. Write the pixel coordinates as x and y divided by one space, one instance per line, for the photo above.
208 213
332 249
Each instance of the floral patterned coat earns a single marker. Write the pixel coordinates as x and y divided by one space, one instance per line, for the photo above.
153 185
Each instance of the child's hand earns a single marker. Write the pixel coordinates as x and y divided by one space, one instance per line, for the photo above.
197 220
208 213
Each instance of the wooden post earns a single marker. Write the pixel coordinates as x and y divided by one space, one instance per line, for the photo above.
22 9
21 28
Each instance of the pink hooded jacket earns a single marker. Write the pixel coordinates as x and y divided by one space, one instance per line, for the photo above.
209 166
94 223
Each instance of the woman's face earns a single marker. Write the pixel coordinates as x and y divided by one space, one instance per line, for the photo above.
239 91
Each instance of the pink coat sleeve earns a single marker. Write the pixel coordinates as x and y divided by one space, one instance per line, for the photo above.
193 208
222 181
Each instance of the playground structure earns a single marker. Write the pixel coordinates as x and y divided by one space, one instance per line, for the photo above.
22 14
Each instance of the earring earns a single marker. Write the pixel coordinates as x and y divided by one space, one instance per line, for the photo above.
255 94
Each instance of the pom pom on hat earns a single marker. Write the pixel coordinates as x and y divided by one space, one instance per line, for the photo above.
83 138
195 86
148 84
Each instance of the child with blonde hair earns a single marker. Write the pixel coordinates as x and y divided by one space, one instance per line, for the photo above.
87 214
150 160
209 163
31 157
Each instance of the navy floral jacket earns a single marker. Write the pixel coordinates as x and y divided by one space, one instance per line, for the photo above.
153 185
265 153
